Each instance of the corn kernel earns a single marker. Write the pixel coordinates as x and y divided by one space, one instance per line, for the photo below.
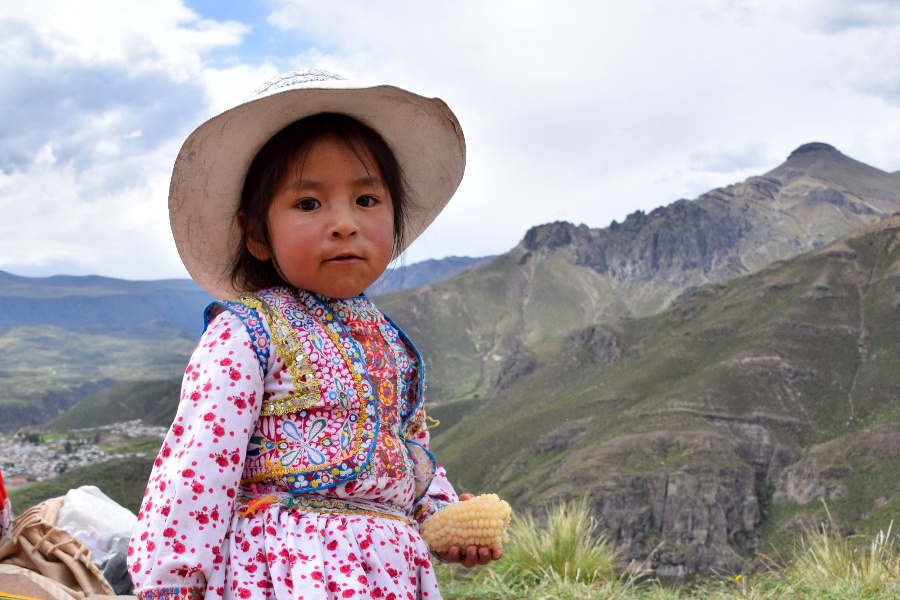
480 521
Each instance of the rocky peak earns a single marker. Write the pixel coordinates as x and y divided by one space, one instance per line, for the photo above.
725 232
553 235
809 159
813 147
682 236
814 156
825 163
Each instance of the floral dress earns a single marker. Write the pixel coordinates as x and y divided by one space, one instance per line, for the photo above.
209 528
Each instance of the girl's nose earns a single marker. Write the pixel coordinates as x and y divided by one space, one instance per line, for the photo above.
344 224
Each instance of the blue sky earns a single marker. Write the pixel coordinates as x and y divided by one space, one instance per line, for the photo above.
576 110
261 43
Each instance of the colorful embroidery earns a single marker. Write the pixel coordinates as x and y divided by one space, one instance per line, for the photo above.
308 504
386 343
424 467
414 398
289 456
172 593
327 442
382 360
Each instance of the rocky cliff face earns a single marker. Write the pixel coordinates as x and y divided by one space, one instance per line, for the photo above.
681 238
817 195
821 473
683 518
707 431
687 501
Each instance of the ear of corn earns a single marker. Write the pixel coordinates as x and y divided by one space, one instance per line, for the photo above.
479 521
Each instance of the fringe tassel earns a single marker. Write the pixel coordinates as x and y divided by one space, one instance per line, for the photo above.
259 503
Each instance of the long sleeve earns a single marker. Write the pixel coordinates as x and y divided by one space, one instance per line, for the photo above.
187 508
440 492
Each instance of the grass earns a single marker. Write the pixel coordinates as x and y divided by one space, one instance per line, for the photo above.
830 565
567 548
566 557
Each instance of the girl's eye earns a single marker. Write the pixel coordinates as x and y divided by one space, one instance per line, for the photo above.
366 201
308 204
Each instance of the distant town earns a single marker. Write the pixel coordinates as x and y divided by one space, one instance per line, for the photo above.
34 457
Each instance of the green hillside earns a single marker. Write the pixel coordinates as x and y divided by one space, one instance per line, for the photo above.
403 277
64 338
39 362
562 277
471 324
154 402
86 303
716 423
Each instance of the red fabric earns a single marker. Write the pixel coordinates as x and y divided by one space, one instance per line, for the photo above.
2 490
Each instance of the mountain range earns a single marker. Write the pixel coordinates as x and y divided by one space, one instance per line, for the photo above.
716 425
694 370
65 338
404 277
706 373
563 277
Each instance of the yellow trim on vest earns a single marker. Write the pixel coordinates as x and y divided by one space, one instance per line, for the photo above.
290 350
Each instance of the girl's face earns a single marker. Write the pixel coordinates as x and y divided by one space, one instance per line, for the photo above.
331 222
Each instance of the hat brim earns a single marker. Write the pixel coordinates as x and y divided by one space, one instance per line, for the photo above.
209 173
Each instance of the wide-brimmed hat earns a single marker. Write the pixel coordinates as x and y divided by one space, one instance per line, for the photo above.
209 172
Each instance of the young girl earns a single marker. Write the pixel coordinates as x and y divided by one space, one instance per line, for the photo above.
298 462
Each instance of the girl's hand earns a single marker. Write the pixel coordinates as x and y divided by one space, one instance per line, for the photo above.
473 555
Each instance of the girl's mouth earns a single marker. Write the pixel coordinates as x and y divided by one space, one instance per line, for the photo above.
347 258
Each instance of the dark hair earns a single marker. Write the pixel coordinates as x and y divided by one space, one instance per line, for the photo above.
269 168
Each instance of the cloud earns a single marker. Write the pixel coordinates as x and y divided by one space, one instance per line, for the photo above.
857 42
49 221
840 16
588 111
730 160
576 110
85 91
85 113
97 98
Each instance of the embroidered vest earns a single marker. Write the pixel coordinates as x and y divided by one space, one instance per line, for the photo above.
322 432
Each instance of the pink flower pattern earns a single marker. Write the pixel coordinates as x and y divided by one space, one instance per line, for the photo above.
191 540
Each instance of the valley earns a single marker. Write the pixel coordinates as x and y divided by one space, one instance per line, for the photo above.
707 374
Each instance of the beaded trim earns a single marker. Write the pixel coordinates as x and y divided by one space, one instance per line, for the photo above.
326 506
171 593
290 350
